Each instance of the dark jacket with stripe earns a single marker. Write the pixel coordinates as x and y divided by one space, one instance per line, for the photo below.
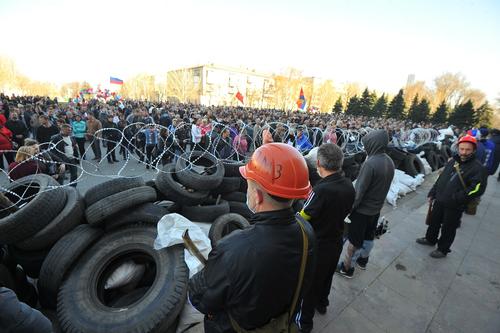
448 189
328 205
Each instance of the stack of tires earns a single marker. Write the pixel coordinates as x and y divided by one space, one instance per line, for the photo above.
121 229
74 246
203 187
352 165
436 157
407 162
41 214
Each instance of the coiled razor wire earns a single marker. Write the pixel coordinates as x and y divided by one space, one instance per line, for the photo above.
349 140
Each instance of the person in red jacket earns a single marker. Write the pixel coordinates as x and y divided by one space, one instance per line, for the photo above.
5 143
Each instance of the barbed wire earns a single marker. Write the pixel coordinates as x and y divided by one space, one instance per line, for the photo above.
173 145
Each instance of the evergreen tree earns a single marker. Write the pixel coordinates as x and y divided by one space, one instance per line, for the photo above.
338 107
353 106
366 103
380 107
424 110
413 110
463 115
441 114
397 106
484 115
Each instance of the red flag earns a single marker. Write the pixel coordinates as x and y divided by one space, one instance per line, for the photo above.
239 97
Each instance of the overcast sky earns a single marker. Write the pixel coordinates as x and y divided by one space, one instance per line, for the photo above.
373 42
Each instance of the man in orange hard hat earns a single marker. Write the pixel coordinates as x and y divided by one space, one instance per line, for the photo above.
463 179
254 275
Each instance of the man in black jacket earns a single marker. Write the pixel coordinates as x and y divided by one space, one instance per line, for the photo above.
112 136
449 197
252 274
66 152
327 207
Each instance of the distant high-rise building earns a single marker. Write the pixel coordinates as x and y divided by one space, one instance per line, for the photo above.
411 79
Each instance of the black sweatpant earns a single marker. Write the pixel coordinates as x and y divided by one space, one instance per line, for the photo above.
110 152
446 220
81 147
328 255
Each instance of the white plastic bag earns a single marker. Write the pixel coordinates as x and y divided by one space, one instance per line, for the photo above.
128 272
171 227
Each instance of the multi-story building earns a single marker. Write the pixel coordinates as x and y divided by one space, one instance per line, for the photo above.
218 85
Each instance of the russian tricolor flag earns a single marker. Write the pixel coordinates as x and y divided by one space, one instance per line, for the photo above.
114 80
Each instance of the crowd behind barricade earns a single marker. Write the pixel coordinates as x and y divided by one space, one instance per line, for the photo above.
61 136
157 133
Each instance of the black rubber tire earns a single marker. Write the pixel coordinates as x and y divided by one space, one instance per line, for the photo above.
117 202
446 151
30 261
110 187
408 165
67 220
224 225
360 157
240 208
431 158
167 183
82 311
193 180
206 212
235 196
352 171
441 161
228 185
397 154
147 213
413 166
61 258
6 278
34 215
232 168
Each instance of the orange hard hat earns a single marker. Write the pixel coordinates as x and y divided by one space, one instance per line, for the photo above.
280 169
468 138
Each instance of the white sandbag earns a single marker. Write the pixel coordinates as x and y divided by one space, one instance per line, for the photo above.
405 179
392 196
419 179
427 167
128 272
403 189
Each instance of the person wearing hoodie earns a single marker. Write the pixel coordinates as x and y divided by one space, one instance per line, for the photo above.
449 197
372 185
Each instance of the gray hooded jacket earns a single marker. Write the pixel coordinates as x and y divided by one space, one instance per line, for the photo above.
375 176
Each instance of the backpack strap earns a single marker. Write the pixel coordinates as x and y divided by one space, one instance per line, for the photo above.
305 246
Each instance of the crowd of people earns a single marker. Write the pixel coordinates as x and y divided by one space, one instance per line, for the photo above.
279 272
158 131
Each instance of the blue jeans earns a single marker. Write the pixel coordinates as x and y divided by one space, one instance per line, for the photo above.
363 252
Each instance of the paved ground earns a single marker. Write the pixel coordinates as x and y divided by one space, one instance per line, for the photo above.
405 290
